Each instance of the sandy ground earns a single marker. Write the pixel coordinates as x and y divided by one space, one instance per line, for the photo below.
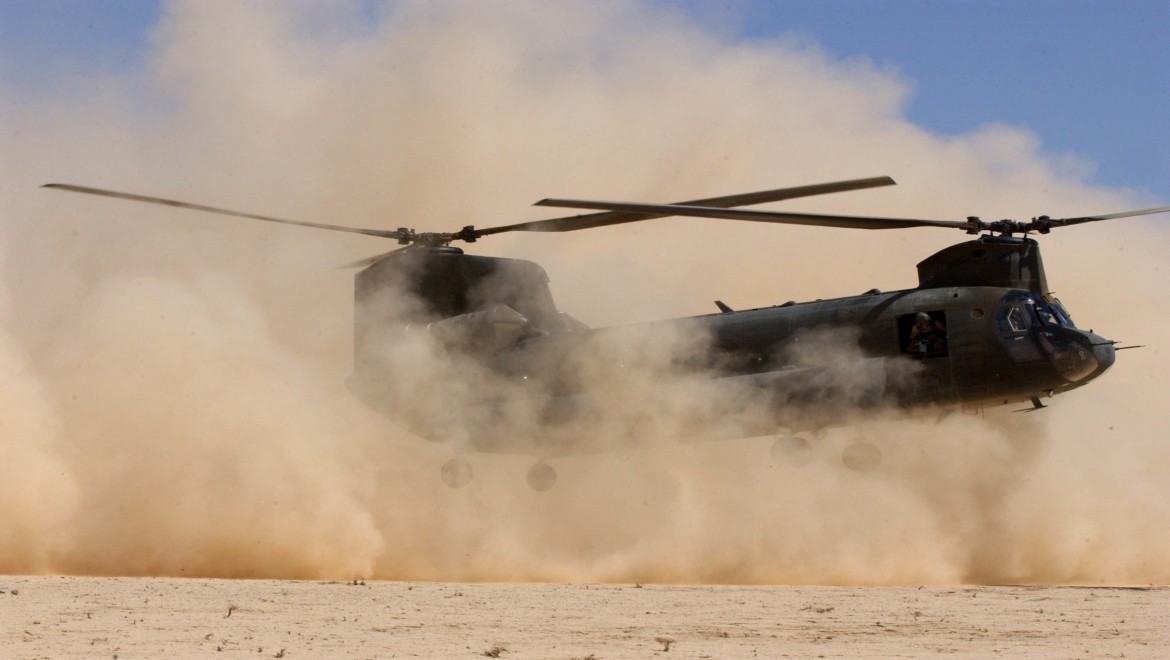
59 617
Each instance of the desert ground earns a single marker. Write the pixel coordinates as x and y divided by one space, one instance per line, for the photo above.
74 617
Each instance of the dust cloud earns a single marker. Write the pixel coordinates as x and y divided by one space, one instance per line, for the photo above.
174 384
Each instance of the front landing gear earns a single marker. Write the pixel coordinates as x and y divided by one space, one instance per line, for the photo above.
792 450
541 477
456 473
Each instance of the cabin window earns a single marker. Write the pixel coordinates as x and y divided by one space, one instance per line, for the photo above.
1016 320
923 334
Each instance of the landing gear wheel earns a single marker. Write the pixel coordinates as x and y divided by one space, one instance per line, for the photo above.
541 477
791 450
456 473
862 457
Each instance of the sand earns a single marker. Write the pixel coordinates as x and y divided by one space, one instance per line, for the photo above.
71 617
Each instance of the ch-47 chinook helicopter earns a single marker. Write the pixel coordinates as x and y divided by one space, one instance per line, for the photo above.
980 329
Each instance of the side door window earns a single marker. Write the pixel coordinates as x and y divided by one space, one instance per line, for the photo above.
923 334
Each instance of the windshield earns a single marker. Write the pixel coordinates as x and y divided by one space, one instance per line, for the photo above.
1033 327
1052 314
1021 311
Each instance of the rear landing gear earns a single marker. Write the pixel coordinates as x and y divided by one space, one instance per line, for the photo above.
862 457
796 451
541 477
456 473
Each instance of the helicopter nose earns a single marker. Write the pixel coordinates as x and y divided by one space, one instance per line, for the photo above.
1100 355
1079 356
1105 354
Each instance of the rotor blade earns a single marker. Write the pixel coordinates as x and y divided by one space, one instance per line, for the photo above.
1061 222
362 263
575 222
817 220
211 209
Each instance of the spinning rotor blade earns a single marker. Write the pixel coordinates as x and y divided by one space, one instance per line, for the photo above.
1061 222
368 261
615 213
396 234
971 225
622 216
818 220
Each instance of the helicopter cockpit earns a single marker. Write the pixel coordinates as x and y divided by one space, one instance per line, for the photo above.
1022 310
1034 328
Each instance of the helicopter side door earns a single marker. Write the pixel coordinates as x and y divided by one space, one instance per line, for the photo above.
924 343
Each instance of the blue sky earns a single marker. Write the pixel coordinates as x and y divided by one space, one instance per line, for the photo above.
1091 78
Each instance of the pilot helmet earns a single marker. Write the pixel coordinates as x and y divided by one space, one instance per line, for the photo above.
921 316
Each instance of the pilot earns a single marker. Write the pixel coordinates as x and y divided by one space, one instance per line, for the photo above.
927 336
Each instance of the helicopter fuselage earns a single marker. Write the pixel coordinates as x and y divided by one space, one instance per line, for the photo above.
822 363
802 366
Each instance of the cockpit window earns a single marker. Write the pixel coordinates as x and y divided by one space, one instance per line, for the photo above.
1020 310
1059 313
1016 320
1050 314
1047 317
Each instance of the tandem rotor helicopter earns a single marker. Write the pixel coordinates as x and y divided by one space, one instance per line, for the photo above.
980 329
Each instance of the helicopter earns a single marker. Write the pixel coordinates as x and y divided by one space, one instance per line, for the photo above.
981 329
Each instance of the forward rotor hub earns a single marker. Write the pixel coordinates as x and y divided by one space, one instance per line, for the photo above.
1042 225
